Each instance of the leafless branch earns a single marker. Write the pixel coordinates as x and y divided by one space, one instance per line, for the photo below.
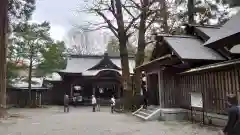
127 10
95 29
110 25
132 22
149 42
154 18
136 4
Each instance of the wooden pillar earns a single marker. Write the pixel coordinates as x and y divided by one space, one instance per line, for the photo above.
93 91
36 98
40 99
119 91
160 87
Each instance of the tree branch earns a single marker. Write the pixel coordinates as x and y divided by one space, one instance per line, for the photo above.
151 21
136 4
131 22
111 27
125 8
94 29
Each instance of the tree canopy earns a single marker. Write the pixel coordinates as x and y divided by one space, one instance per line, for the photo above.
232 3
20 10
113 47
54 58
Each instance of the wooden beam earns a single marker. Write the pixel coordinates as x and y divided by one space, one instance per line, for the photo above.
155 61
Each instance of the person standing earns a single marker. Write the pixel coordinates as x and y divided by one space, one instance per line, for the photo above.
98 104
113 102
66 103
233 124
94 102
144 91
75 101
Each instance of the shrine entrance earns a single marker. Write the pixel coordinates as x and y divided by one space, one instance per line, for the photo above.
153 89
107 84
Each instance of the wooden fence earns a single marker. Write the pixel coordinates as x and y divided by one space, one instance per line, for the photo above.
214 85
170 96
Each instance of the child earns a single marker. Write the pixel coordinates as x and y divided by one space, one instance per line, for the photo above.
94 102
113 102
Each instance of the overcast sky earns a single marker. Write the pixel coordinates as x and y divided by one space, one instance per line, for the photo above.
60 13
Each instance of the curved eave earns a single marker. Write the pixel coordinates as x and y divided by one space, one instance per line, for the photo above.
166 60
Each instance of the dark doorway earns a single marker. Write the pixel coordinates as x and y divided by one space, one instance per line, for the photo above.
153 89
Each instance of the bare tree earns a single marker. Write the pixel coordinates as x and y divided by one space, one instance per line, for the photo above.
3 50
85 42
119 20
190 11
147 17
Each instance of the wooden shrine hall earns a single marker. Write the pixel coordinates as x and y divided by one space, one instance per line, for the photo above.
87 75
205 60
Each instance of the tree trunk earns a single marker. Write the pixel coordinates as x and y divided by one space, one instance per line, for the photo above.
190 11
123 38
140 52
30 80
3 50
165 16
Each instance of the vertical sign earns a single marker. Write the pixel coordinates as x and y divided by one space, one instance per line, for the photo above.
196 99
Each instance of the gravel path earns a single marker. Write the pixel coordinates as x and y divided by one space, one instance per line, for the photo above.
81 121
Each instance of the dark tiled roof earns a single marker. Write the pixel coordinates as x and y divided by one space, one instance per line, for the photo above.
191 48
230 28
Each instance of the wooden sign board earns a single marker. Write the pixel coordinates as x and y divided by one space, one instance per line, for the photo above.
196 99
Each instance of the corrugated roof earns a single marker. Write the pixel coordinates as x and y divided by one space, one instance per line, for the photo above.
192 48
81 65
231 27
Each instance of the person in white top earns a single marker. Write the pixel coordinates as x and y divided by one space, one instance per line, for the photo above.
94 102
113 102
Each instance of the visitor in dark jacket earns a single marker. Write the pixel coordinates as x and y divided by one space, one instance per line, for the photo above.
233 124
98 104
144 91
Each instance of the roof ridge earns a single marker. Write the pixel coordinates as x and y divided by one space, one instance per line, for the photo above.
179 36
94 56
209 26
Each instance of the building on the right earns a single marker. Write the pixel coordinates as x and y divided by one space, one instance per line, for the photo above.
205 60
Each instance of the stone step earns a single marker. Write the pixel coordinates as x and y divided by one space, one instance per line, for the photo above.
152 109
151 113
147 111
140 116
143 114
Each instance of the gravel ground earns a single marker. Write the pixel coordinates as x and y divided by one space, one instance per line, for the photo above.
81 121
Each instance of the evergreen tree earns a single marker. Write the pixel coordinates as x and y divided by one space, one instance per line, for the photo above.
232 3
53 58
31 40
